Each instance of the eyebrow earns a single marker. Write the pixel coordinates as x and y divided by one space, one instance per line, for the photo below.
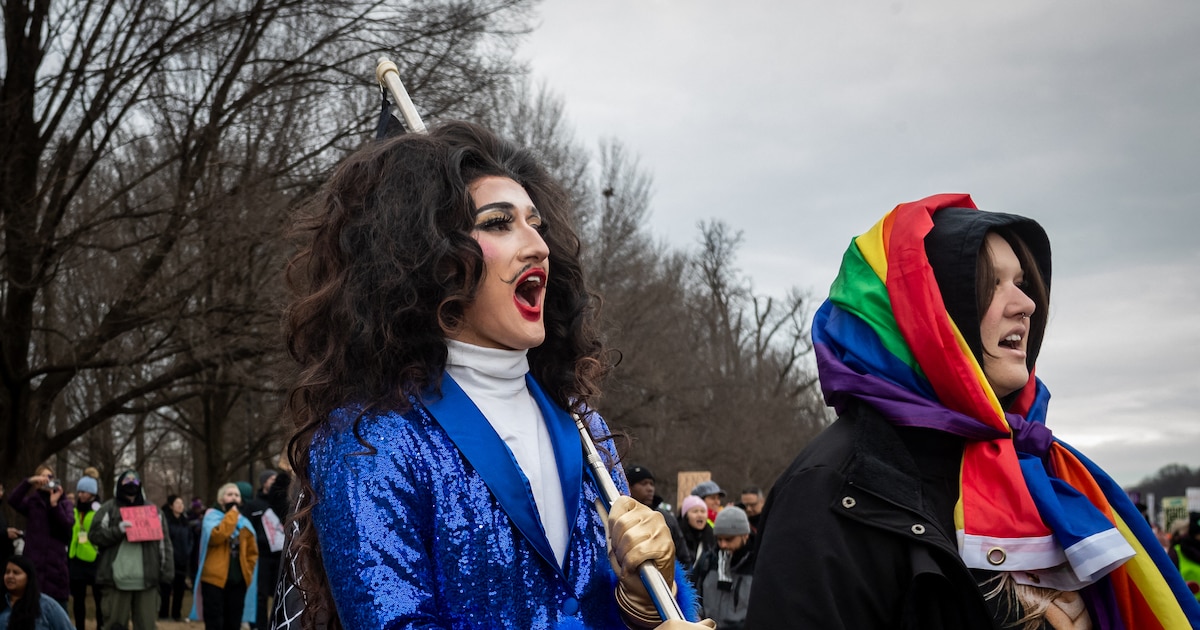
505 206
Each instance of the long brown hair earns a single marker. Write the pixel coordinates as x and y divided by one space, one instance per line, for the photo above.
386 265
1034 286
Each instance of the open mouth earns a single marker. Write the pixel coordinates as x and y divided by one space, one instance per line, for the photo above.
529 291
1012 342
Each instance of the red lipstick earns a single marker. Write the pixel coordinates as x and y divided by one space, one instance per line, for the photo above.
531 286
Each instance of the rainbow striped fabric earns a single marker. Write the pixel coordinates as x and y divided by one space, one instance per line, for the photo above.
1029 504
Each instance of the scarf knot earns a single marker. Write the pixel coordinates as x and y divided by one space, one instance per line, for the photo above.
1030 437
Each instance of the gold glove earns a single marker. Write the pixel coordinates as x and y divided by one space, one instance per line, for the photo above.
708 624
638 534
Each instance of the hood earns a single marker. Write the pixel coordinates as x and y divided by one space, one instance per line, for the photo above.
138 499
952 247
246 490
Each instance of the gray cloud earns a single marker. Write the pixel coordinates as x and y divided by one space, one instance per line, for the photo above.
802 123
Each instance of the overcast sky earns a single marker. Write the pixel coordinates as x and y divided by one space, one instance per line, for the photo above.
800 123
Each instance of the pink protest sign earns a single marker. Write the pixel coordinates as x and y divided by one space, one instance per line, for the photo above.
144 523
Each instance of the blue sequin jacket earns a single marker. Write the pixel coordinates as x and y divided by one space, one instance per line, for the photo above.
437 527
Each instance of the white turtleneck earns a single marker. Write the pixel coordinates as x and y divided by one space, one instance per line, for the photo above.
494 379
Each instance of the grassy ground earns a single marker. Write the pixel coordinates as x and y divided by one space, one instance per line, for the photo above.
161 625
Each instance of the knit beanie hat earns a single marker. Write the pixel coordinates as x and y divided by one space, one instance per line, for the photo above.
731 521
88 485
638 473
691 501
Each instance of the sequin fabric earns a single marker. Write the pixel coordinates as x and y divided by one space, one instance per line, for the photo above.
412 537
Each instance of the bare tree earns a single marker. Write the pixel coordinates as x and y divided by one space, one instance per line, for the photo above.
146 150
710 375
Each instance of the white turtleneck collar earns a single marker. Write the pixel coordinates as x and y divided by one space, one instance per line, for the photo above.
492 365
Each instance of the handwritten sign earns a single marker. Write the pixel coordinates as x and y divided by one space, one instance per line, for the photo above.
274 529
687 479
144 523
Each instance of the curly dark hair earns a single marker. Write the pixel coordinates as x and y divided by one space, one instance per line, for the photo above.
386 267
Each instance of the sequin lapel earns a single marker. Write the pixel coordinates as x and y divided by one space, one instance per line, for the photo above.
568 452
493 461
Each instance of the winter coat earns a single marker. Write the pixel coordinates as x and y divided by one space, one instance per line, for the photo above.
219 527
255 509
881 553
158 556
696 543
277 497
676 535
180 531
47 534
215 551
726 604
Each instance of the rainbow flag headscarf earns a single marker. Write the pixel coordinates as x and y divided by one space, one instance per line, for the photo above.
1029 504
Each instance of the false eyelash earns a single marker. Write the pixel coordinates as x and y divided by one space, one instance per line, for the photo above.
494 222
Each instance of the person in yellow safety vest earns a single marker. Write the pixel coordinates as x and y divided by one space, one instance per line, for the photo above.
1185 553
81 555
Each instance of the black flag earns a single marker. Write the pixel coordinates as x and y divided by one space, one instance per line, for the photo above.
389 124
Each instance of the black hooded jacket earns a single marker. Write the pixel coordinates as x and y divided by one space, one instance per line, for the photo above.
158 561
859 532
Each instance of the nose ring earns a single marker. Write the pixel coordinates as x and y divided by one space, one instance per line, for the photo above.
1024 316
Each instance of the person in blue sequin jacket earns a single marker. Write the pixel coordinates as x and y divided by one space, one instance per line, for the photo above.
445 335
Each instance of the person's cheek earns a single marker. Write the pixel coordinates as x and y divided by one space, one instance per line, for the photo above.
488 248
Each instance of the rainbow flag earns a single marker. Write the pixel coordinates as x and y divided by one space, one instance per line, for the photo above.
1028 503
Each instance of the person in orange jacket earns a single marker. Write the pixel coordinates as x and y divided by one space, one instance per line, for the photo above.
223 591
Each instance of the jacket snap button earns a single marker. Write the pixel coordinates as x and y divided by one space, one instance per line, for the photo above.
848 502
996 556
918 529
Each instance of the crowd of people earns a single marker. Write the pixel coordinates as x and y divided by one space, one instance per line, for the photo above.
714 542
139 559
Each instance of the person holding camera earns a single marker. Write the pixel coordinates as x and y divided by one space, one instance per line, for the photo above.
49 518
224 587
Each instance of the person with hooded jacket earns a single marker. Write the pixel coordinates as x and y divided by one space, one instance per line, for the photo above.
129 572
939 498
